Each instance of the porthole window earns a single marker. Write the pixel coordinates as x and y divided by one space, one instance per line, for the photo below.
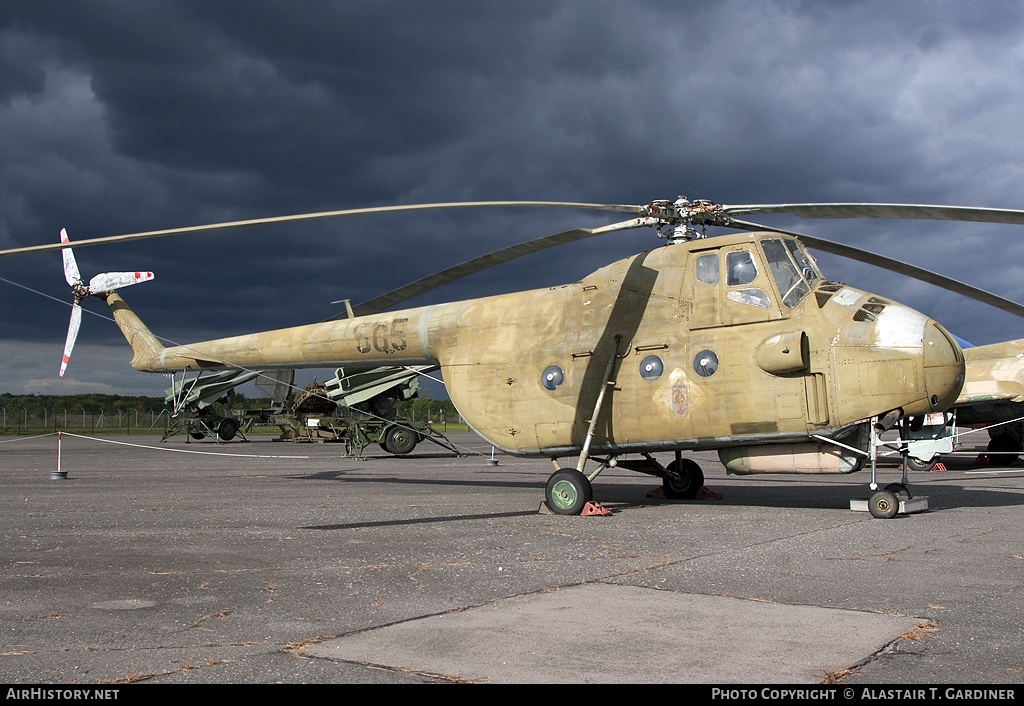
552 377
705 363
651 368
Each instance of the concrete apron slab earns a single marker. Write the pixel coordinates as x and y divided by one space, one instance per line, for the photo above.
608 633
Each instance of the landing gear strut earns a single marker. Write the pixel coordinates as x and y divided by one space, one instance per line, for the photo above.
568 491
886 502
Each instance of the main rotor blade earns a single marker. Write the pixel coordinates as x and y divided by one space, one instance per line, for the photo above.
464 269
834 210
888 263
69 343
497 257
886 210
310 216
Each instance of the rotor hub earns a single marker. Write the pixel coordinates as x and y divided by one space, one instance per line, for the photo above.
684 211
682 214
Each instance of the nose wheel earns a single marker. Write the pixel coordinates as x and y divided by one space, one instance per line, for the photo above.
884 504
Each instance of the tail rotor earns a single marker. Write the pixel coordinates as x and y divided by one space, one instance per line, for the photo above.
100 284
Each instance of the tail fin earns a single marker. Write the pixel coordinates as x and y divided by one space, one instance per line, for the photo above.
146 346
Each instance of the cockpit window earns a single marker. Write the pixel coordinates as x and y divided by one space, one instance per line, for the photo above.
707 268
808 267
751 295
741 268
793 269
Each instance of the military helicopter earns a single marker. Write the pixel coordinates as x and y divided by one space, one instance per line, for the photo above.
992 400
993 396
736 343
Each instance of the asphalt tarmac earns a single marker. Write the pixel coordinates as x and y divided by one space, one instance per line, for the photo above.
266 562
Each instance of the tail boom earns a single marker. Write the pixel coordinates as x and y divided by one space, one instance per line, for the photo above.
145 345
394 338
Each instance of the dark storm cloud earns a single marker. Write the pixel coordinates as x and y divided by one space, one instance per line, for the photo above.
117 117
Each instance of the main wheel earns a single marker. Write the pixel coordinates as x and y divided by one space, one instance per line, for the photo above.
683 480
567 492
884 504
227 430
916 464
1005 450
400 440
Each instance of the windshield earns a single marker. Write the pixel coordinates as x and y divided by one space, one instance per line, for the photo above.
793 269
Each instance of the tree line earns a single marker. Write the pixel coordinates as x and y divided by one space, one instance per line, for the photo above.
20 413
35 413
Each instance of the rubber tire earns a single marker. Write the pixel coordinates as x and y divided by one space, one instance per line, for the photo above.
227 429
1005 449
691 480
915 464
884 505
567 492
400 441
899 490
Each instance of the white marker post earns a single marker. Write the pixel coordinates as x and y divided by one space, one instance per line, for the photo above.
58 474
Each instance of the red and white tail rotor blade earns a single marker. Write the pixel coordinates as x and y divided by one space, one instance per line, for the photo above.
76 321
115 280
71 273
106 282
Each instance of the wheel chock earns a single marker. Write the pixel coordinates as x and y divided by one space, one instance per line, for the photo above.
593 508
939 467
982 460
658 493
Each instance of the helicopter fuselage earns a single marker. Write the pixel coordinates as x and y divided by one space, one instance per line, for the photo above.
719 343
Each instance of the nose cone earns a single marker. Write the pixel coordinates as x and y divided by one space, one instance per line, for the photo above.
889 356
943 367
933 381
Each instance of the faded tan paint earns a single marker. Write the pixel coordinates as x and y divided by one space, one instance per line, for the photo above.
994 372
858 356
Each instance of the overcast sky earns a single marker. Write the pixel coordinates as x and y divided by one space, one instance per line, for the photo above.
120 116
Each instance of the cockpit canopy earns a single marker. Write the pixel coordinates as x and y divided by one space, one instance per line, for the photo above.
794 271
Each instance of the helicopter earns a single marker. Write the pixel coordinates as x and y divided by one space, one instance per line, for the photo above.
993 395
992 400
736 343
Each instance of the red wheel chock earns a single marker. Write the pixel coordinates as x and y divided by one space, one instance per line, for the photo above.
593 508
